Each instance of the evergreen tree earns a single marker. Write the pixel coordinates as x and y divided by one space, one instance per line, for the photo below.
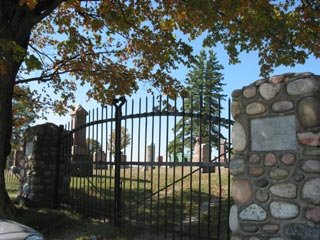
203 90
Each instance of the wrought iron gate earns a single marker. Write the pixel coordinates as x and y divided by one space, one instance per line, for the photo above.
161 166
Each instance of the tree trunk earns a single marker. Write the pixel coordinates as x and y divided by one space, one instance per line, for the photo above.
6 89
16 24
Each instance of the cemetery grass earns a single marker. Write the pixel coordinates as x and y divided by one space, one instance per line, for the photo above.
93 197
176 207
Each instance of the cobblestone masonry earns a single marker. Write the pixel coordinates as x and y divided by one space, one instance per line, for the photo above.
276 165
42 146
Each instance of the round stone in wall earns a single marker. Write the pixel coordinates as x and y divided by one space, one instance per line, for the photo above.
260 81
236 238
254 158
288 159
301 231
313 214
236 93
298 177
284 210
233 218
270 228
309 138
309 112
303 74
255 108
311 166
311 191
303 86
282 106
256 171
269 90
254 238
262 196
239 137
237 166
253 212
284 190
277 78
250 228
270 160
250 92
279 174
261 183
235 109
241 191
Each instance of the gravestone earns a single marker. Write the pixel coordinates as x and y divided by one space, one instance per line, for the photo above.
151 153
99 160
81 160
223 152
202 154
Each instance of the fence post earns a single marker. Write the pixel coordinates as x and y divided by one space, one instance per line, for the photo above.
118 103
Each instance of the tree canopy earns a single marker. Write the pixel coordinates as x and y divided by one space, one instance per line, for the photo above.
113 45
26 109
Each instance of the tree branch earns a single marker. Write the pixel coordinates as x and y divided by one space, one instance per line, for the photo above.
40 53
45 8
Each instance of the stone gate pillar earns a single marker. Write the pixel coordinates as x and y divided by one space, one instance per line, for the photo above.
276 165
42 146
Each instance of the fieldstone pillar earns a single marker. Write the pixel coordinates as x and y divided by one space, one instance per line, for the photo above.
42 146
276 165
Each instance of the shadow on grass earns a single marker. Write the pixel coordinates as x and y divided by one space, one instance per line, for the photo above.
59 224
182 213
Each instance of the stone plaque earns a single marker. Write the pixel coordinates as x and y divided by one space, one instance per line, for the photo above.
276 133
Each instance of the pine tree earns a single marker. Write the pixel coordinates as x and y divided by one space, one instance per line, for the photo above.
203 90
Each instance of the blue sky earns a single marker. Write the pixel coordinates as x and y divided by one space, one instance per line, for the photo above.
235 77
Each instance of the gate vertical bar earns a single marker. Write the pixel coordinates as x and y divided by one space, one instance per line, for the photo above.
228 162
219 169
118 103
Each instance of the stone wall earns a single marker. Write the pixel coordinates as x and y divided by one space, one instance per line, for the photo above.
276 165
42 151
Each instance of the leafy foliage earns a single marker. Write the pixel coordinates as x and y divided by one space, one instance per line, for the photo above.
111 45
26 109
204 87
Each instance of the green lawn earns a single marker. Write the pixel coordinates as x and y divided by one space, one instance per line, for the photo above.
93 197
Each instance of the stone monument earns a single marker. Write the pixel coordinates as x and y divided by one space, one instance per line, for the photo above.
151 153
201 153
99 159
81 159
